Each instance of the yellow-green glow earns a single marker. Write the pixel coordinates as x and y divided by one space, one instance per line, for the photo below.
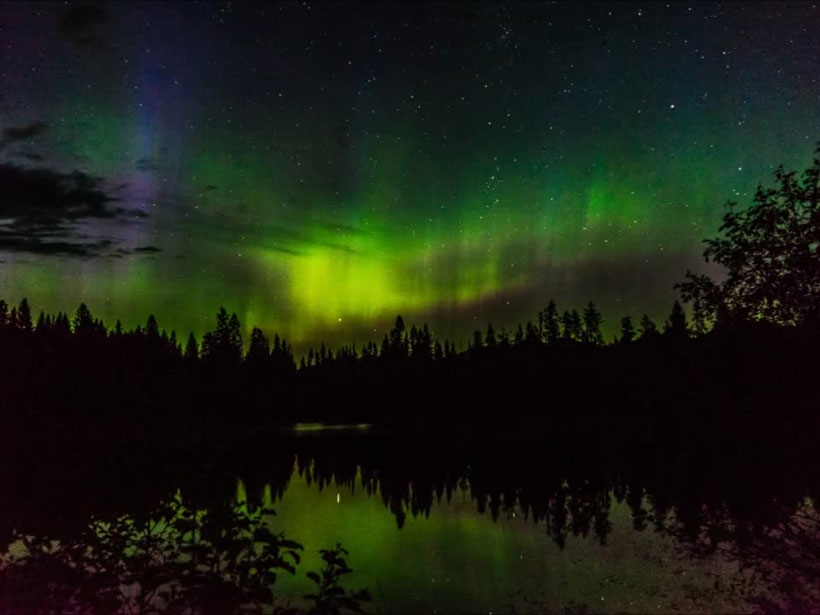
328 285
320 427
457 560
376 173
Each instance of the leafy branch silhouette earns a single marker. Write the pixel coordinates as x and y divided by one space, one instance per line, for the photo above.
180 559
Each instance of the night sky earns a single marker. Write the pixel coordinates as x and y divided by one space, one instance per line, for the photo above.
320 168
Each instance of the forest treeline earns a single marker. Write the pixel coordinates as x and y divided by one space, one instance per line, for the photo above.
744 362
76 378
547 422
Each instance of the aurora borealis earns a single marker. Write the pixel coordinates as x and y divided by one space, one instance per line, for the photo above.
320 168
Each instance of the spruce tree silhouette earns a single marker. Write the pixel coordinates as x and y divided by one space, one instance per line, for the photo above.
83 320
676 325
151 327
397 345
572 326
224 344
490 339
550 328
191 348
258 356
627 330
591 332
24 316
648 329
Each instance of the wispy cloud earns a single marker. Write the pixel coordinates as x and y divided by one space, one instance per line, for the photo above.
18 133
41 211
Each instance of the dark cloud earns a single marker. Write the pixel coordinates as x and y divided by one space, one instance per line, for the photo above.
35 193
336 227
135 213
82 24
291 240
122 252
13 241
209 187
147 164
286 250
81 18
31 156
15 133
40 210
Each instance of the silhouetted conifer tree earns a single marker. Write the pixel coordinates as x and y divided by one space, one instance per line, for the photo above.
174 345
223 345
83 320
627 330
647 327
532 335
191 348
572 326
24 316
151 327
519 335
286 360
676 325
592 325
700 317
566 325
576 324
398 339
478 340
550 327
489 338
4 313
424 344
61 324
258 350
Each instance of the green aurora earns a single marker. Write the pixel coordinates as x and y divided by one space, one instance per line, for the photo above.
319 175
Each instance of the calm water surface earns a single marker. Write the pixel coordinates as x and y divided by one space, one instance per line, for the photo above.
456 559
446 527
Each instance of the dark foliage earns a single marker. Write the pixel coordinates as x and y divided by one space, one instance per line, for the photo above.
771 253
174 559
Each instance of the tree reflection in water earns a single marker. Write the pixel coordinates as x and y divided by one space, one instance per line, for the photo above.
707 500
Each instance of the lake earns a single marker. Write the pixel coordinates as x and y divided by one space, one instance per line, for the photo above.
455 559
456 526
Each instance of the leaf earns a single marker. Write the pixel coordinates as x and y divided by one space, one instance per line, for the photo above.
263 534
290 544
